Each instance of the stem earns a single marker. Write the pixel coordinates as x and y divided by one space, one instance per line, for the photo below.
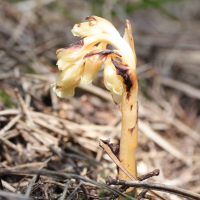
129 133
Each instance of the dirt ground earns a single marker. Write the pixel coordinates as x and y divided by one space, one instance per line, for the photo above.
41 131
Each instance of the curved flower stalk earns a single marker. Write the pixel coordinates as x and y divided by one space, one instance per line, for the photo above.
79 63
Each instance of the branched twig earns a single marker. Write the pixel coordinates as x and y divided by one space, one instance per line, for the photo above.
155 186
155 172
140 178
119 164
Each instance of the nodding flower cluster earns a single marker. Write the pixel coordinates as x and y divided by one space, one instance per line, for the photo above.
79 63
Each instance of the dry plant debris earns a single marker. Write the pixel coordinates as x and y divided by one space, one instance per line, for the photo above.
36 125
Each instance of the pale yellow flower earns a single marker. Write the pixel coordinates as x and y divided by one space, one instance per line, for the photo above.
112 81
68 79
70 55
79 63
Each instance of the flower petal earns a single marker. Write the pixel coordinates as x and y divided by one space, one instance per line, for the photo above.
112 81
117 99
68 56
86 29
68 79
128 37
90 71
91 66
127 74
105 25
96 26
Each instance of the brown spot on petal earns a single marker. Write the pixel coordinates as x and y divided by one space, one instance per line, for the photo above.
72 47
131 107
58 87
129 77
78 25
91 24
92 17
102 53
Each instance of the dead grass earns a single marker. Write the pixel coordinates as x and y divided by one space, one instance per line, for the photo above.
36 125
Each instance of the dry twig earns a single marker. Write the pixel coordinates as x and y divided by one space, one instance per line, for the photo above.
155 186
119 164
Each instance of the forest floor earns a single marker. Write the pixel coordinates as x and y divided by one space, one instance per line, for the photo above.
40 131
